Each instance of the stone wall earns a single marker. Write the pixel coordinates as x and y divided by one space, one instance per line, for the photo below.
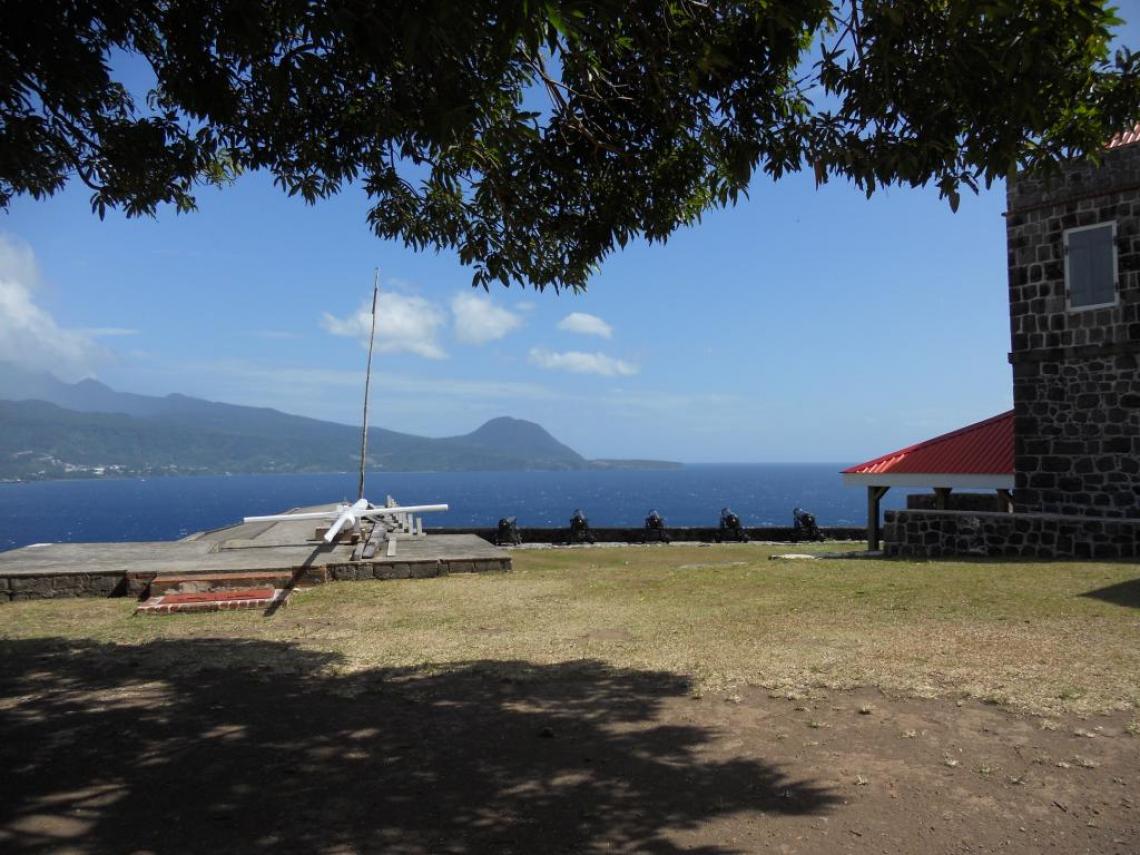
360 571
941 534
781 534
1076 386
54 586
956 502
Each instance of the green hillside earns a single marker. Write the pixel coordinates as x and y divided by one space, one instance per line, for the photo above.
52 429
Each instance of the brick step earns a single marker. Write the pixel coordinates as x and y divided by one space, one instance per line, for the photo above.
213 601
203 582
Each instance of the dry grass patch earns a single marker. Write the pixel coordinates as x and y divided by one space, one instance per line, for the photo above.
1023 634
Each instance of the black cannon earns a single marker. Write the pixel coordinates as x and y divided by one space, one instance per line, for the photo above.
804 526
508 532
730 527
655 528
580 529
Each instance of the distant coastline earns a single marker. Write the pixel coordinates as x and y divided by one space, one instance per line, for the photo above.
51 430
634 464
113 473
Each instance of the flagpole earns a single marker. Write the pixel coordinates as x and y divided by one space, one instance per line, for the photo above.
367 383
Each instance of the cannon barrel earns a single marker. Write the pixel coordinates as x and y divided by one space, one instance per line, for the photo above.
359 509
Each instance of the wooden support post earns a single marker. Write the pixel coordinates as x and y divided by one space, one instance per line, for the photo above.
368 548
874 533
941 496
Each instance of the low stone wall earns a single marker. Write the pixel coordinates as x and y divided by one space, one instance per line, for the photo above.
364 570
56 585
60 585
709 534
941 534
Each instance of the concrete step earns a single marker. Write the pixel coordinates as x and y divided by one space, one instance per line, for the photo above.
202 582
213 601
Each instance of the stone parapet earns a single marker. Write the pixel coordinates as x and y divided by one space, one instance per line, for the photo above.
688 534
1077 181
945 534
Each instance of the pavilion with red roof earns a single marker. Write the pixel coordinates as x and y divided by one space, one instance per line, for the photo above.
978 456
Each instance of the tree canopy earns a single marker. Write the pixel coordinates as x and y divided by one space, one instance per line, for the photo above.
535 137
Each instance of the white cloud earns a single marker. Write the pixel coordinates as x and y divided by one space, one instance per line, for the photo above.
433 406
107 332
478 320
298 377
29 335
582 363
404 324
580 322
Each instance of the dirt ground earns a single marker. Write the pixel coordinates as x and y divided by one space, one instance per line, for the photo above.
112 748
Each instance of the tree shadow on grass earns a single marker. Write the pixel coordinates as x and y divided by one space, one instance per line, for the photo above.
229 745
1122 593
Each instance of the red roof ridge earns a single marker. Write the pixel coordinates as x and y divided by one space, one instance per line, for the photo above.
967 458
1128 137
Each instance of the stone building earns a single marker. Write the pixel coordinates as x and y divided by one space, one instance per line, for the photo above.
1074 290
1073 243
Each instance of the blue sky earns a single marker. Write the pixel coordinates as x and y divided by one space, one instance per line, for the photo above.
802 325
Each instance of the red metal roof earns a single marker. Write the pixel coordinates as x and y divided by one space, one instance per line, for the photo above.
1124 138
984 448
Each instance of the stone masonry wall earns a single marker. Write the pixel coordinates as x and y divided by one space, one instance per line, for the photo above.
1076 386
940 534
956 502
22 586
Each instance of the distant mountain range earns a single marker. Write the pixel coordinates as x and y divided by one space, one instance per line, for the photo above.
53 429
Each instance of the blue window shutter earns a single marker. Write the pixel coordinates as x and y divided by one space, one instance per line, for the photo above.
1080 274
1103 283
1090 268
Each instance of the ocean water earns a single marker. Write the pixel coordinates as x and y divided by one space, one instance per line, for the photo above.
169 508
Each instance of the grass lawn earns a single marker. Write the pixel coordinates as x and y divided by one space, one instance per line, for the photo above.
654 699
1048 638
